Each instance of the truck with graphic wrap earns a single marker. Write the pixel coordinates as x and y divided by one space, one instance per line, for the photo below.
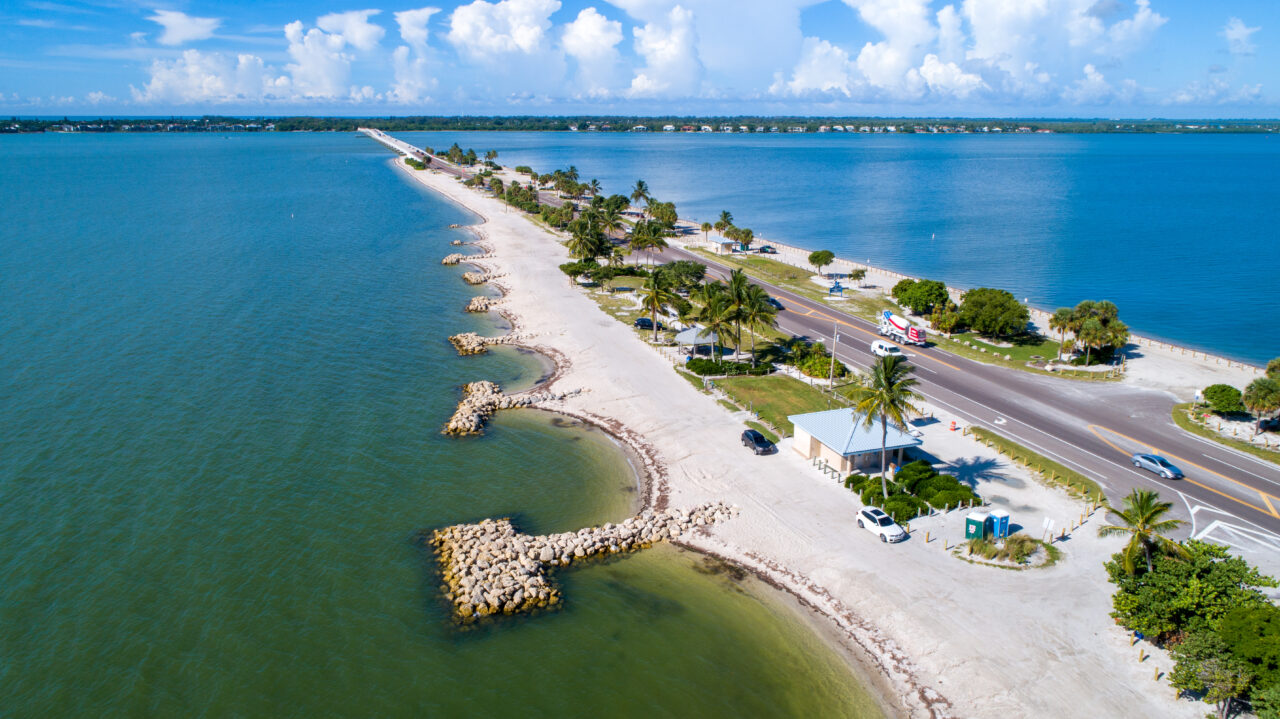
899 329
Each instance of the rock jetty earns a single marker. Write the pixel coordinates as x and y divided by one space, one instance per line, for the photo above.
481 399
457 257
489 568
470 343
479 278
483 303
457 242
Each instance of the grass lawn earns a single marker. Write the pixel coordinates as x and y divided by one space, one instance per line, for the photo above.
1181 419
1023 351
774 397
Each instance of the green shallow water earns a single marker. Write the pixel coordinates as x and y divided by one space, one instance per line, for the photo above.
223 371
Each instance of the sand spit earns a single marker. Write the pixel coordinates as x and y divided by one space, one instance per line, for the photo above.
923 618
490 568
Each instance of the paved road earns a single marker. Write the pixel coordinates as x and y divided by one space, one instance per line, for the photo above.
1227 496
1090 427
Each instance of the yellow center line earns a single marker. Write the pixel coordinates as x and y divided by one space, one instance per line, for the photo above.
1266 498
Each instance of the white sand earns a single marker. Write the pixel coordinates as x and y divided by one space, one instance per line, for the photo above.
954 639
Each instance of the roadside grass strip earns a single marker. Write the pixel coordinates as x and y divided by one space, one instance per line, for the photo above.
1182 418
775 397
1049 471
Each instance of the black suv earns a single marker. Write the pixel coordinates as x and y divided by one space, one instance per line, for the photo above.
644 323
756 442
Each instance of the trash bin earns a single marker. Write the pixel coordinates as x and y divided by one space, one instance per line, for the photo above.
999 523
977 525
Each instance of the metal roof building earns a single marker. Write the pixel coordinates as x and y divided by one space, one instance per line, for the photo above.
841 437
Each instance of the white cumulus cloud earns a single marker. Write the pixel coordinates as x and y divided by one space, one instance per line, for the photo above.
354 27
592 40
946 78
411 63
1239 36
671 65
823 69
197 78
180 28
320 68
483 30
413 25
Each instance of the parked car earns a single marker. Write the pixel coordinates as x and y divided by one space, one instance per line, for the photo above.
768 250
874 520
880 348
1159 465
756 442
644 323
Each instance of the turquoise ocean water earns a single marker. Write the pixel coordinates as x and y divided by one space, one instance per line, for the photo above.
1181 231
223 372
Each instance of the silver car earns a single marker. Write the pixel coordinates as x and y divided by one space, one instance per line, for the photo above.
1159 465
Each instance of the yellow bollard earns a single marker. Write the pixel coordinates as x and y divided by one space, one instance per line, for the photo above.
1157 674
926 537
1132 638
1142 655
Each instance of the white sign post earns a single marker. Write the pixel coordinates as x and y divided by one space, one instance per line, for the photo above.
1048 528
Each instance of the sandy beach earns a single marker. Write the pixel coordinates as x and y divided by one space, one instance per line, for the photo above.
950 638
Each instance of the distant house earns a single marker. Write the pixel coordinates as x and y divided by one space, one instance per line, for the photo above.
842 438
824 128
743 128
687 128
759 128
796 128
837 128
639 128
773 129
707 128
726 128
668 128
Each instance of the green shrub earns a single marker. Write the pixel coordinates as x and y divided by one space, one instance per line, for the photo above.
904 507
576 269
1223 398
704 367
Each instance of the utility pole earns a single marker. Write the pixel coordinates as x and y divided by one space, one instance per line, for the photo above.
831 374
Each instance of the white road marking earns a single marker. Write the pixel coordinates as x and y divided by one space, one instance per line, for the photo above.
1265 479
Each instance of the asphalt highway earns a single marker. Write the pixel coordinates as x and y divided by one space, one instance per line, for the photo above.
1092 427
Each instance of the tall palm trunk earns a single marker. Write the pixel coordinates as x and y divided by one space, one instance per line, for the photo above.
753 350
653 316
884 454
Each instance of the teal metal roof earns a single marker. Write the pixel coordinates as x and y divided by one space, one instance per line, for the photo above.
844 431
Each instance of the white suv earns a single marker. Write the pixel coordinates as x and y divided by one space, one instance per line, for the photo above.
874 520
880 348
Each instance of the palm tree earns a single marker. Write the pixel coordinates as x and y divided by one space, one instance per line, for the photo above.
1142 519
706 230
887 395
1092 334
654 298
726 217
716 317
610 221
640 192
1262 397
1061 321
594 187
738 289
758 314
572 173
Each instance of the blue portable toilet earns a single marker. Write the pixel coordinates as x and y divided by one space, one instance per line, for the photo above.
999 523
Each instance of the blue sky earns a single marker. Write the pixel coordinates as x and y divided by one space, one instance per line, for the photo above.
1044 58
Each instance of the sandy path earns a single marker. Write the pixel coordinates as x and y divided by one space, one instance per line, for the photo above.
953 638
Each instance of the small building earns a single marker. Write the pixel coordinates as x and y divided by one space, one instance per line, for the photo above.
707 128
842 438
640 128
668 128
